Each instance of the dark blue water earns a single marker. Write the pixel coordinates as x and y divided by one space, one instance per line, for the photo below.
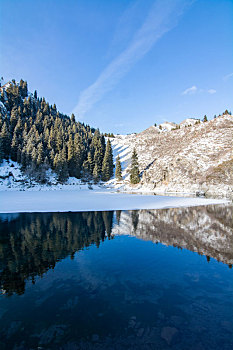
148 279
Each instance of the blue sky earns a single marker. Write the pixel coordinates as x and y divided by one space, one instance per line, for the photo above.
122 65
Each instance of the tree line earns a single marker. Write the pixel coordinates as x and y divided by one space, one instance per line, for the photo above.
39 137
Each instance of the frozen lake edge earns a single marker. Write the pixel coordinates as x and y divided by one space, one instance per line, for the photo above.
92 200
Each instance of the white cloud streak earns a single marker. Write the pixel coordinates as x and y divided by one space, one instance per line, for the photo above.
162 17
228 76
193 90
190 91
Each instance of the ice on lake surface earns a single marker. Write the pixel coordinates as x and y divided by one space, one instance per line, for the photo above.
144 279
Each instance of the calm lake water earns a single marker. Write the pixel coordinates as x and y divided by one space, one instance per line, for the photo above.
146 279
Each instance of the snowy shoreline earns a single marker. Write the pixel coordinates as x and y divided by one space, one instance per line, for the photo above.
91 200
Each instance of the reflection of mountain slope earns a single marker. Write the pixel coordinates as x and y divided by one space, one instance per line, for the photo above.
206 230
31 244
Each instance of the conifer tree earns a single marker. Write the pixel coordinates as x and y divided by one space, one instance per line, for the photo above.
23 160
18 159
98 158
118 173
88 167
25 89
107 167
61 167
134 170
5 140
72 118
71 156
13 119
79 156
96 173
34 155
40 154
205 119
1 151
14 147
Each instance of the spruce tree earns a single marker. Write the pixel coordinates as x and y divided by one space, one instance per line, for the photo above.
14 147
107 167
98 158
18 155
61 167
5 140
40 154
96 173
205 119
134 169
72 118
79 156
118 173
1 151
88 166
71 157
23 160
13 119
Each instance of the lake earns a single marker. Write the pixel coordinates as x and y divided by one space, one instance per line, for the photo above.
141 279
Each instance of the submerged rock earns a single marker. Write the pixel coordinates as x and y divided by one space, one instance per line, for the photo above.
168 334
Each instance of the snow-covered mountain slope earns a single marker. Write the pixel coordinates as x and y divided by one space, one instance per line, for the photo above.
12 178
193 159
189 122
206 230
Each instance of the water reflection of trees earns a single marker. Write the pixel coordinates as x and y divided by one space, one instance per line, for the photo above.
33 243
30 244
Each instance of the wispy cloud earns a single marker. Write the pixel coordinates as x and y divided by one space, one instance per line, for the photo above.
193 90
162 17
212 91
190 91
228 76
132 17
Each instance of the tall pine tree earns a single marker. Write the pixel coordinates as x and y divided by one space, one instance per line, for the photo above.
107 167
118 173
134 169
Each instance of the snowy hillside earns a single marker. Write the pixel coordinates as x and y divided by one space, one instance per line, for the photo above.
194 159
12 178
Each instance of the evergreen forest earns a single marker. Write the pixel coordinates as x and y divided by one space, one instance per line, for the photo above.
39 137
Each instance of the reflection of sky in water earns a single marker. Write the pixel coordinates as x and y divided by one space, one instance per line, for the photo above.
128 293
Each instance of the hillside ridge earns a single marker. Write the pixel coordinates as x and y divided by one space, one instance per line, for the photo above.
196 159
